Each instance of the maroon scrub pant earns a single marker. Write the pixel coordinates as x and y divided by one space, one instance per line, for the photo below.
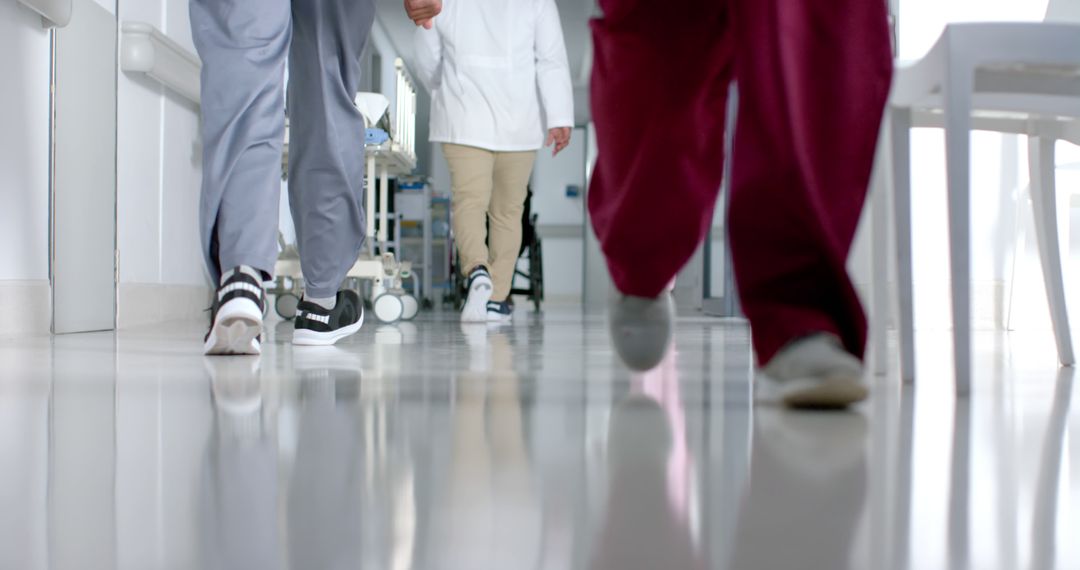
813 77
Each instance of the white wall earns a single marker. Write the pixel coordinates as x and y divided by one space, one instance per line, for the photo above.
24 144
24 171
158 183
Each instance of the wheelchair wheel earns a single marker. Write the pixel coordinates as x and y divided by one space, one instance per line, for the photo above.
536 273
455 295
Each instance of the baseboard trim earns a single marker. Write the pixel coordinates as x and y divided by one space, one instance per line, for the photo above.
150 303
27 308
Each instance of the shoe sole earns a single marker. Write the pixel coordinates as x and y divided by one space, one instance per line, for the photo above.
304 337
236 330
475 310
829 394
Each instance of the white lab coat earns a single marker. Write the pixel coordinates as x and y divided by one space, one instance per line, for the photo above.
492 67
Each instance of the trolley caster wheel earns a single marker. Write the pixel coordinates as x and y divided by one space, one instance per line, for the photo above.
285 305
388 308
410 307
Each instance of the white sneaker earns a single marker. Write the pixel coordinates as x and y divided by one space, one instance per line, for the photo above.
237 321
641 329
500 313
812 372
480 289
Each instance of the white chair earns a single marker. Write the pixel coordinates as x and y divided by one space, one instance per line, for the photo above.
1019 78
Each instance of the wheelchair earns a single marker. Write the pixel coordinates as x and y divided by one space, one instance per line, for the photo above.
531 251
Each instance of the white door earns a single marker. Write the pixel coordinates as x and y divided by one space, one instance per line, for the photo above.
84 172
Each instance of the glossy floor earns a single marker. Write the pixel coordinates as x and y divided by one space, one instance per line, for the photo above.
432 446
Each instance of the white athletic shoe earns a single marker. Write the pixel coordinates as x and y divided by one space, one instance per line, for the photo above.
641 329
480 289
812 372
316 325
237 321
500 313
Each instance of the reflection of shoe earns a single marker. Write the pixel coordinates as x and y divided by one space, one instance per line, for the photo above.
814 444
234 383
237 394
812 372
237 320
639 433
641 329
317 326
480 289
323 357
329 384
475 334
476 338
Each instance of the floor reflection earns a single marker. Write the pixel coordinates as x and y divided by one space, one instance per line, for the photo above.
805 493
487 512
326 487
239 484
1044 527
646 521
522 447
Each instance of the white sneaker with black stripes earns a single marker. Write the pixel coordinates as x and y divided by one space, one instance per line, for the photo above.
236 323
319 326
480 289
500 313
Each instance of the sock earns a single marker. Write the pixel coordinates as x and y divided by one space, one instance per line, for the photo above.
254 273
327 303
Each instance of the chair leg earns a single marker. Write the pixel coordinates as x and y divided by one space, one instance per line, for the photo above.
957 91
1044 206
900 130
879 256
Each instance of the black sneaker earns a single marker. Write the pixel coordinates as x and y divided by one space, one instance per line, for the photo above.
236 322
316 326
500 312
480 289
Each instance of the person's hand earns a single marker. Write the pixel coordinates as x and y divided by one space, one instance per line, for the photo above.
560 137
423 12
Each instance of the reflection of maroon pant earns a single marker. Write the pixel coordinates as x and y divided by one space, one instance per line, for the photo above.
813 76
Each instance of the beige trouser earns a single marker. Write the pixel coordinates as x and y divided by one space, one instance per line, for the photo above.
486 186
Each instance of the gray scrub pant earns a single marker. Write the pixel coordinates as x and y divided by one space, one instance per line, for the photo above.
244 45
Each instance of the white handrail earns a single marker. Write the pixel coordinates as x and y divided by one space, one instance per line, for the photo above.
146 49
405 120
53 12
